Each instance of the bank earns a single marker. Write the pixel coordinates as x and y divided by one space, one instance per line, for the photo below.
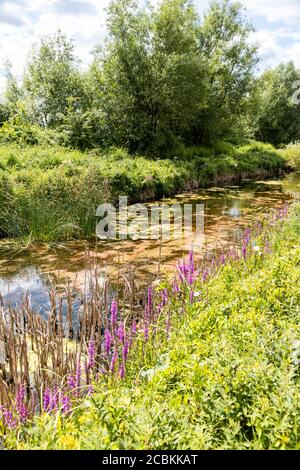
51 193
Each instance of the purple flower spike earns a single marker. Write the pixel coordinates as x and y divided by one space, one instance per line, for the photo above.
20 404
125 350
114 312
46 399
91 354
71 382
122 371
146 332
113 361
121 333
65 404
107 341
53 405
8 418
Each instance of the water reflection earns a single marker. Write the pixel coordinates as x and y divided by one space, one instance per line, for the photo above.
227 212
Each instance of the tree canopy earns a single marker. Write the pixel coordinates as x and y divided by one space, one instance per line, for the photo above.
164 77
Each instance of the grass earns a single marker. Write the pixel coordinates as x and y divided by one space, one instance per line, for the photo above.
291 153
225 377
51 193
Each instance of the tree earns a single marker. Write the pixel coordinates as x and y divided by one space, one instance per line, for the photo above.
277 116
230 59
51 79
13 93
152 74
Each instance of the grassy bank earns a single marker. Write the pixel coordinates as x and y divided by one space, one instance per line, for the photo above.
220 370
51 193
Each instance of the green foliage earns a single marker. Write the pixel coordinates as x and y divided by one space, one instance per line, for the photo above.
227 378
276 116
51 79
51 192
153 76
163 78
291 153
230 61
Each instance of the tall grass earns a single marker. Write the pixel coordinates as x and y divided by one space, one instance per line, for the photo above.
51 193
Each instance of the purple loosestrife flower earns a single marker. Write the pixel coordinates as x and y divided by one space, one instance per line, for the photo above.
107 341
134 328
90 389
146 331
113 361
114 312
223 259
65 404
165 297
175 287
46 399
121 332
204 275
8 419
91 354
20 404
122 371
53 406
125 350
71 382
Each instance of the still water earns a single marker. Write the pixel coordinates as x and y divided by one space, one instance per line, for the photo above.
35 271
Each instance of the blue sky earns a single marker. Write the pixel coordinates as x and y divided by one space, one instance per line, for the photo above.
23 22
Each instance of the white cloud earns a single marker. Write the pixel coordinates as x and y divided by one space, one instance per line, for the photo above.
23 22
277 46
287 11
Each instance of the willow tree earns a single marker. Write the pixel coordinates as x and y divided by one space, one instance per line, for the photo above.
153 77
276 114
51 79
230 62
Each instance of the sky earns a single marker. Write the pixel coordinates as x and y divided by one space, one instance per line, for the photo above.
23 22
